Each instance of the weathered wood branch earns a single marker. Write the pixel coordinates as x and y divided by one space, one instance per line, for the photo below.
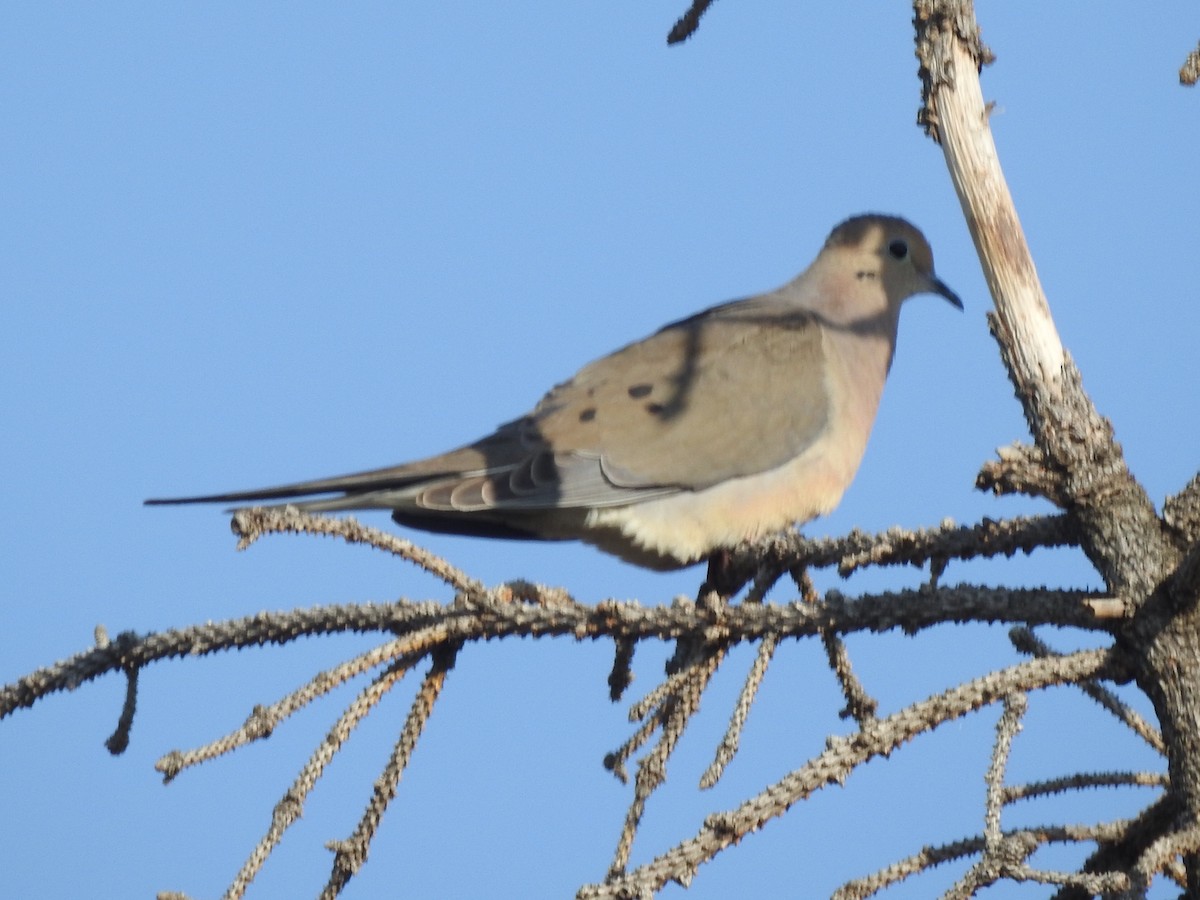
1125 540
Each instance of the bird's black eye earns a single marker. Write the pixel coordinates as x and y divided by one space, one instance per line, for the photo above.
898 249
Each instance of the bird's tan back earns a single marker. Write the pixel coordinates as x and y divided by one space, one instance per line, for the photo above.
717 396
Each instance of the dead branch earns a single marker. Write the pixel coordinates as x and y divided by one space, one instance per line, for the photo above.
843 755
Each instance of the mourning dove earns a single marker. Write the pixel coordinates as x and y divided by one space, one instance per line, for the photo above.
734 423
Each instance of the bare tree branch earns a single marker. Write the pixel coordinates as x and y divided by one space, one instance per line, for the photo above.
1027 642
1021 469
350 854
688 22
494 615
1189 72
621 675
879 737
672 716
291 805
899 546
1181 512
1015 706
251 524
1128 544
1028 840
728 747
1082 780
263 720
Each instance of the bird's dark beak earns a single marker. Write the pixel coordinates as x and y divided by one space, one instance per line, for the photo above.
937 286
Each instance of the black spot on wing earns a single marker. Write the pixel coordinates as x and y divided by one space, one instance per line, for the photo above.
638 391
588 414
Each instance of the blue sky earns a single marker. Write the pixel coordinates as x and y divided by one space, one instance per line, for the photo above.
246 244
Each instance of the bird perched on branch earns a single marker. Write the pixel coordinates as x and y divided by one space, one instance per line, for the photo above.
734 423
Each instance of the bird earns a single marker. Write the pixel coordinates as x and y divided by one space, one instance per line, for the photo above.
734 423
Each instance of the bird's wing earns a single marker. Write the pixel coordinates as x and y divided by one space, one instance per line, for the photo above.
733 391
